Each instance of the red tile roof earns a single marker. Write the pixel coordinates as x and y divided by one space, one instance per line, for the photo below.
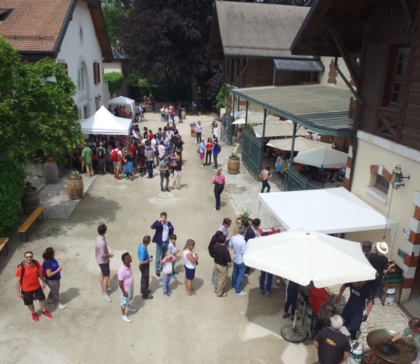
34 25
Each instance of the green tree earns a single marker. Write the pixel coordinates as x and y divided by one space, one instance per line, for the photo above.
38 117
115 80
112 12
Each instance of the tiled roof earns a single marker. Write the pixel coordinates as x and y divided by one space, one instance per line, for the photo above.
34 25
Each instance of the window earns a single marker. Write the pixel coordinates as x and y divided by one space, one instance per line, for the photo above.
381 183
81 79
4 13
398 74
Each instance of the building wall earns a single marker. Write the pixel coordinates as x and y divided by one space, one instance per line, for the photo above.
77 51
374 150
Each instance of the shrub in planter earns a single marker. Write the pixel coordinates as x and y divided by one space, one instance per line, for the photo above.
12 189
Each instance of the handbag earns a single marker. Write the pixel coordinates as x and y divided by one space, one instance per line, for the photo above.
198 150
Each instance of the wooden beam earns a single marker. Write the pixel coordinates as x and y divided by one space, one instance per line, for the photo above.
345 24
351 64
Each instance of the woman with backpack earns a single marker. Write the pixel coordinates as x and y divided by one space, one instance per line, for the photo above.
52 277
265 176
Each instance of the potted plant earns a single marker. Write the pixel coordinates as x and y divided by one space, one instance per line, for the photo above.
243 216
30 200
50 171
234 161
75 185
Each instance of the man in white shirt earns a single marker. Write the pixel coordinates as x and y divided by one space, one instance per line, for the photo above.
161 151
238 244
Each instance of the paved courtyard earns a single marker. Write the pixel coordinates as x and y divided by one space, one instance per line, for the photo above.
179 329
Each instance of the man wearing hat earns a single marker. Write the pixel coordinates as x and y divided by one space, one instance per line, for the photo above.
380 263
333 347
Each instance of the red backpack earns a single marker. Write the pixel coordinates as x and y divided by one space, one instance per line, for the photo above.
114 155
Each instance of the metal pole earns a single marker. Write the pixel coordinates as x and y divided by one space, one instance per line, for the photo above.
246 115
265 117
293 144
297 307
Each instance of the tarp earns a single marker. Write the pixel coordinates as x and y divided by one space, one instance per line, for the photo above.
105 123
329 211
122 100
280 128
301 144
303 256
323 157
257 118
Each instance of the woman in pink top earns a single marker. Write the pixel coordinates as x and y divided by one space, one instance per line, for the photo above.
219 184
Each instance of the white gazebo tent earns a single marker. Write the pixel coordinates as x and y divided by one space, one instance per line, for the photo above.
122 100
105 123
328 211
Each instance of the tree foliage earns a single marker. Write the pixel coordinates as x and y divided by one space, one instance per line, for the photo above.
38 117
113 11
223 96
167 42
12 189
115 80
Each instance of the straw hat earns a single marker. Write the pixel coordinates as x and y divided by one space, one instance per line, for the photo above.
382 247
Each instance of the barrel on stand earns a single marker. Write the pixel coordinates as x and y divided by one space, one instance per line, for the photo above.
30 201
233 165
75 188
50 173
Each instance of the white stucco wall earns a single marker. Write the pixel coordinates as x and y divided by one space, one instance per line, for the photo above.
74 51
323 76
374 150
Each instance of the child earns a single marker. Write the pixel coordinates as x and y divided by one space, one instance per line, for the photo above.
173 251
234 150
167 273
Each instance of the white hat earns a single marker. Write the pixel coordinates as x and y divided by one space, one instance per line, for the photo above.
336 322
382 247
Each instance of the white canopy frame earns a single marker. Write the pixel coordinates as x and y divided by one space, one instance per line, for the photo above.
122 100
312 209
105 123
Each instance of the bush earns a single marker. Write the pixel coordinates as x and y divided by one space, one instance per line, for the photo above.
12 189
115 80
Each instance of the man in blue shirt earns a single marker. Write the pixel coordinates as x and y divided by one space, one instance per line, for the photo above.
238 244
215 153
144 266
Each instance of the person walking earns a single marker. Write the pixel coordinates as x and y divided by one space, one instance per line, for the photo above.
198 131
177 172
190 263
87 159
52 277
217 238
164 229
216 132
102 257
144 266
238 244
221 260
164 173
201 151
126 286
28 274
216 151
265 177
167 273
219 184
149 159
333 346
209 151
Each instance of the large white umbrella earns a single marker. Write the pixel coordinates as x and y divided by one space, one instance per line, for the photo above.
324 157
303 256
281 128
301 144
256 119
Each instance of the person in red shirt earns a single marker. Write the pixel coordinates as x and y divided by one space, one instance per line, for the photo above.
28 274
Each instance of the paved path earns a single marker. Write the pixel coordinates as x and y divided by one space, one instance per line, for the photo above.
180 329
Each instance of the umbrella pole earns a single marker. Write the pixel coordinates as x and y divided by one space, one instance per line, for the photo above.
297 307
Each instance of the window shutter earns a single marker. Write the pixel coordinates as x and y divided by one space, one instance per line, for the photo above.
99 72
94 73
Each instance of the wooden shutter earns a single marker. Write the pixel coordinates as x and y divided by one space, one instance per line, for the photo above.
94 73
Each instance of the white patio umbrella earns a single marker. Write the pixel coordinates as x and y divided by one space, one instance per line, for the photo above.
324 157
301 144
281 128
256 119
303 256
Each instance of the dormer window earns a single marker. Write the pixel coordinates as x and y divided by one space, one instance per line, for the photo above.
4 13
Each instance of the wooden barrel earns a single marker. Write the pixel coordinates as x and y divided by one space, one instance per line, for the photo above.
75 188
184 114
193 133
233 165
30 201
50 173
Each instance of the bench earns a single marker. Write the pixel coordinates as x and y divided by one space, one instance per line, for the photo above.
30 220
3 243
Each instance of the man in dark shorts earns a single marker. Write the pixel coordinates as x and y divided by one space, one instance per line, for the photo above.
102 257
355 306
144 266
28 274
333 347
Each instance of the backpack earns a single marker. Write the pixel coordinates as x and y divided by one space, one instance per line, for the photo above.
260 176
219 149
114 155
101 153
22 265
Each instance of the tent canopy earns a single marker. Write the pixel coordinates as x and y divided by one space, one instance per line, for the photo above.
105 123
329 211
279 128
301 144
322 157
256 118
122 100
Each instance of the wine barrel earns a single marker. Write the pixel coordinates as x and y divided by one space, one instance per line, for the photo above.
193 133
30 201
184 114
233 165
75 188
50 173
